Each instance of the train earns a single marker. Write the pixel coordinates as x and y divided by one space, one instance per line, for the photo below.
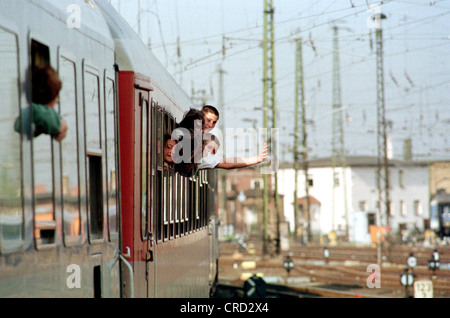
97 215
440 215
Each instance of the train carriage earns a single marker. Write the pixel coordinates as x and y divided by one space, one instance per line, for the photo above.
165 217
96 215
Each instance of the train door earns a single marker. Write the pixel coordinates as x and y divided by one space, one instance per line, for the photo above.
142 190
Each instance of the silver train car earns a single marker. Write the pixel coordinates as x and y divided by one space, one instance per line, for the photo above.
96 215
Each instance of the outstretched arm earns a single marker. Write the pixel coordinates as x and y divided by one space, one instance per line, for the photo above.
242 162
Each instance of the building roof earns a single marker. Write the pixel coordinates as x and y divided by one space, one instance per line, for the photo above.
312 200
353 161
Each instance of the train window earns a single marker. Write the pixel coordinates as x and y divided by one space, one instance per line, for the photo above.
180 199
197 202
159 183
45 223
11 211
170 202
165 210
69 152
172 186
191 198
95 198
40 54
183 205
43 174
92 110
144 167
166 200
152 164
94 151
177 203
110 121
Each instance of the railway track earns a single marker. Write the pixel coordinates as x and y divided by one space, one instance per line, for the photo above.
346 266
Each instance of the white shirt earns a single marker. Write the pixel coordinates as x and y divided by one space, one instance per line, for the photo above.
209 162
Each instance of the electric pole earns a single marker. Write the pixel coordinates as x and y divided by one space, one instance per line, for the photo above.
300 101
222 174
269 103
338 149
299 98
382 162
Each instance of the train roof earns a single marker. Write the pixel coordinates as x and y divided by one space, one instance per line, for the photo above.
30 14
133 55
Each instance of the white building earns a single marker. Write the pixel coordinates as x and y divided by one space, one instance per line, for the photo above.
357 183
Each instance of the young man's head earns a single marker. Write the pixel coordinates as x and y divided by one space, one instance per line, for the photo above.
211 117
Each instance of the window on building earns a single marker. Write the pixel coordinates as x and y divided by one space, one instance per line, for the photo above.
400 179
362 205
402 208
310 181
417 208
336 179
256 184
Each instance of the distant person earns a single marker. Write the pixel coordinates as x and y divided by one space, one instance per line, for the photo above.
45 88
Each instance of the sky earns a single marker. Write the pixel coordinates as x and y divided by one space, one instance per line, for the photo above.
195 39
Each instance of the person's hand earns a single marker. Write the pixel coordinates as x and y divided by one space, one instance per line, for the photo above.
264 153
62 132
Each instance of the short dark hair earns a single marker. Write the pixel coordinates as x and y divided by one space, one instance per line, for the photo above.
45 85
190 117
210 109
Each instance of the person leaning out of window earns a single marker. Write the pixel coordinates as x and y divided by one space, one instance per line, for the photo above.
45 93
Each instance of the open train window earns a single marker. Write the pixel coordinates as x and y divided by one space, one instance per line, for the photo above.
43 174
40 54
11 194
95 198
94 150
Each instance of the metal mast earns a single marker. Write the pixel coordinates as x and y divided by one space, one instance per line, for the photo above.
300 101
382 167
269 103
382 162
298 95
338 149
